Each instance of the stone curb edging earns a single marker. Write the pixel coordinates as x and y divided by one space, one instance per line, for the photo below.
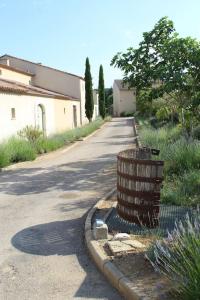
104 263
46 155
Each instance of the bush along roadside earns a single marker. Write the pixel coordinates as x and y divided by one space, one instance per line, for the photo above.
182 163
178 258
30 142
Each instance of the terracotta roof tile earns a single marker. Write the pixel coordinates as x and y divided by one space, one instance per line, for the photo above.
15 70
20 88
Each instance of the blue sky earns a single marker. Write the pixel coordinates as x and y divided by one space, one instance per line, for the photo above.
62 33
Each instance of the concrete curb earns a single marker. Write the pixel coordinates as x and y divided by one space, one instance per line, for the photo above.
104 263
48 155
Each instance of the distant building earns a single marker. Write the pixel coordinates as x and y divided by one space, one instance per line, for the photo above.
96 104
37 95
124 99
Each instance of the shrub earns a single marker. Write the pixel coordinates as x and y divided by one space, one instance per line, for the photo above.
178 258
4 156
181 156
19 150
159 137
45 145
126 114
196 133
182 163
182 190
30 133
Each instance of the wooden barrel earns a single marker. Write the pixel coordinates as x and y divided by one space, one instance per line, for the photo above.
139 181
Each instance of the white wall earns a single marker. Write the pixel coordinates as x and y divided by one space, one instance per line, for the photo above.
127 101
123 100
116 100
84 119
96 104
16 76
26 113
64 117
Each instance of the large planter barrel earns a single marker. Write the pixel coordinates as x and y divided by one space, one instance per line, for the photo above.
139 180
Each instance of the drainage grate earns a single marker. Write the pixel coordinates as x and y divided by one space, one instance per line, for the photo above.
168 216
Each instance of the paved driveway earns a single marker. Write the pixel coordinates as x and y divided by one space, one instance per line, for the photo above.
43 206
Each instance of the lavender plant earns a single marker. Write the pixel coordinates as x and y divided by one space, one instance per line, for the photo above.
178 258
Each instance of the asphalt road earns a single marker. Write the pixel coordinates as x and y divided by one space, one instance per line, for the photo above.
43 206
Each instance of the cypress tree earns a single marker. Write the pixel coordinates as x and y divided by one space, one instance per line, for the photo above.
89 102
101 89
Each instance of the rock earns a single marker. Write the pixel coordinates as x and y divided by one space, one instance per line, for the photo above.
117 247
121 237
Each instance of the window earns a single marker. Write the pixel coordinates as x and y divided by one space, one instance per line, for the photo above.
13 114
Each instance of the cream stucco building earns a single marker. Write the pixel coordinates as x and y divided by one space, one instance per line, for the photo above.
37 95
124 99
96 104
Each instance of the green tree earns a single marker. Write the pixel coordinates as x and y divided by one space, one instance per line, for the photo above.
89 102
108 100
101 90
165 64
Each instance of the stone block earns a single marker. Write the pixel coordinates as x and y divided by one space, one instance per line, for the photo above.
101 233
118 247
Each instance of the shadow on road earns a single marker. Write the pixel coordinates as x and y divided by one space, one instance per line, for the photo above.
64 238
80 175
55 238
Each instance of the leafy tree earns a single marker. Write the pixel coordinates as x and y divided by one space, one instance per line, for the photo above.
142 66
89 102
144 102
165 64
101 93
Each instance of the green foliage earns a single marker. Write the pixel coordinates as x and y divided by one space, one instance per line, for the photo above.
45 145
108 100
144 103
182 190
160 138
101 90
181 156
30 133
144 65
196 132
182 163
4 156
89 128
127 114
165 65
178 258
16 150
89 102
20 150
